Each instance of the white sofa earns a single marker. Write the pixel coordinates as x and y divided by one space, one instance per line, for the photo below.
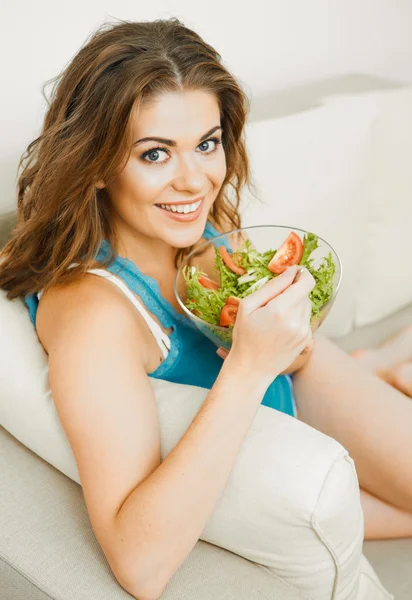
328 167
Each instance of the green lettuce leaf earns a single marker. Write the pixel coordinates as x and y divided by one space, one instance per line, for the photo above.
323 275
207 304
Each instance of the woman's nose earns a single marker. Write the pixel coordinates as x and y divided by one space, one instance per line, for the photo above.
190 176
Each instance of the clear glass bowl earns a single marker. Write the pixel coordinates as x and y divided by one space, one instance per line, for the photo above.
263 238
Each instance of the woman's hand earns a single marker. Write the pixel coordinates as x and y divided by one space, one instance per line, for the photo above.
273 326
300 362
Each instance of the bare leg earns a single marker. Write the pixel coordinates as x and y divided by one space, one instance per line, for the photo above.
401 378
371 419
383 521
387 360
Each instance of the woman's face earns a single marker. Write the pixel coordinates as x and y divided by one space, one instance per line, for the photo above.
183 169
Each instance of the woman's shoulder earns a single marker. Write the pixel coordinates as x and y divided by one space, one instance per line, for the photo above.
88 303
69 294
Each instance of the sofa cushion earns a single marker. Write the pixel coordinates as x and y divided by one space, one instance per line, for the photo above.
341 170
310 172
385 284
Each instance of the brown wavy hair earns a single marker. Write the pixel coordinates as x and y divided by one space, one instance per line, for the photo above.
86 137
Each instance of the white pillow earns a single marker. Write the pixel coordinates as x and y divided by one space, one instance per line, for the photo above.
386 284
287 478
311 172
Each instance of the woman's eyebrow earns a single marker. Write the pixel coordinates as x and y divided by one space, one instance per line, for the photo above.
172 142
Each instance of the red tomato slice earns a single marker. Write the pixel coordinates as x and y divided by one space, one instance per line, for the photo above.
206 282
233 300
229 262
289 254
228 315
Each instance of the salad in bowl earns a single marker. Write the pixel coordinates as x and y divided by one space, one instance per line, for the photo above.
209 290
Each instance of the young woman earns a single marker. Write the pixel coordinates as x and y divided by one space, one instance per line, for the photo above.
145 123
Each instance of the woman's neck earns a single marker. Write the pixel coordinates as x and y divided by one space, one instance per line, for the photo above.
150 255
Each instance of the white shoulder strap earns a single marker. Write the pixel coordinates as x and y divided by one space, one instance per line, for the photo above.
161 338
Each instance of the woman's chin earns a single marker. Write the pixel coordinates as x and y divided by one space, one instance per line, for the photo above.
188 236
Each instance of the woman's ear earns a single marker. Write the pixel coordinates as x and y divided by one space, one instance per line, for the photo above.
100 184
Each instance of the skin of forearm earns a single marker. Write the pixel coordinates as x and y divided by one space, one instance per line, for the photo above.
163 518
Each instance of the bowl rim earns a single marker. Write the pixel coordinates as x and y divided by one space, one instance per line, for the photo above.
223 235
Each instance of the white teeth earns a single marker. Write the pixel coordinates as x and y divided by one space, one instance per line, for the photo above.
181 208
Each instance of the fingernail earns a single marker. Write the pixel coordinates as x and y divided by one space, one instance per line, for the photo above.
299 273
295 272
222 352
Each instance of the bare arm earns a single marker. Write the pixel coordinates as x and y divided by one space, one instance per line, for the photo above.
147 515
171 507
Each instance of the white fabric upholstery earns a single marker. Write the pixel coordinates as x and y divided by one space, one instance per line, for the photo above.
386 285
342 170
291 502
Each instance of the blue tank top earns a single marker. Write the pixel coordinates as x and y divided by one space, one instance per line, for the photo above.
192 358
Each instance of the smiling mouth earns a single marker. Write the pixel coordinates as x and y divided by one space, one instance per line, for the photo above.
182 209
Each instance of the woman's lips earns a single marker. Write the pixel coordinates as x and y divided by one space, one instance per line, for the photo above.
183 216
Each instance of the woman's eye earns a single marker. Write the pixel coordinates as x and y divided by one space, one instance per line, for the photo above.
153 155
209 145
